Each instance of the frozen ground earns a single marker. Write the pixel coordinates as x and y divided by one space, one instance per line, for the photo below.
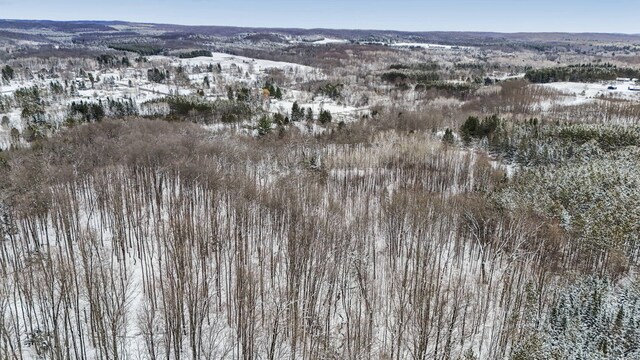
338 112
226 61
574 93
330 41
505 76
319 41
596 90
428 46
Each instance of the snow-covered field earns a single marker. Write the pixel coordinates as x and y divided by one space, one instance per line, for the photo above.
326 41
428 46
15 85
339 112
595 90
317 40
227 61
505 76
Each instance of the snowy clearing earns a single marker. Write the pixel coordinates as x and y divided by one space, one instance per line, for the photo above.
616 89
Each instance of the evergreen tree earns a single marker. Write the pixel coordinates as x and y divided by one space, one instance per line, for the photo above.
280 119
15 135
448 137
264 125
325 116
243 95
7 73
297 113
92 80
270 88
470 128
156 75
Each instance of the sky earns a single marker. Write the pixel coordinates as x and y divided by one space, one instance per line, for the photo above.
610 16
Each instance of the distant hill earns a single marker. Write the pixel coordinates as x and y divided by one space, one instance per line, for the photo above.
89 32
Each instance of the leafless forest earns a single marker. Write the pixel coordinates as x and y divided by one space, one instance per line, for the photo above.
243 249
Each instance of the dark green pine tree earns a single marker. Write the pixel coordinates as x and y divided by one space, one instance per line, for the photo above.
7 73
297 113
264 125
448 137
325 116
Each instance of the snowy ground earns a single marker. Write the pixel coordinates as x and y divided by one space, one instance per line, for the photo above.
428 46
330 41
505 76
318 40
574 93
338 112
15 85
596 90
250 65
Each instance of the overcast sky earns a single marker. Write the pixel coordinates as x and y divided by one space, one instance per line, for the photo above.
619 16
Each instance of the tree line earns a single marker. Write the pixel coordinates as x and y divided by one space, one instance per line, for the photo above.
581 73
